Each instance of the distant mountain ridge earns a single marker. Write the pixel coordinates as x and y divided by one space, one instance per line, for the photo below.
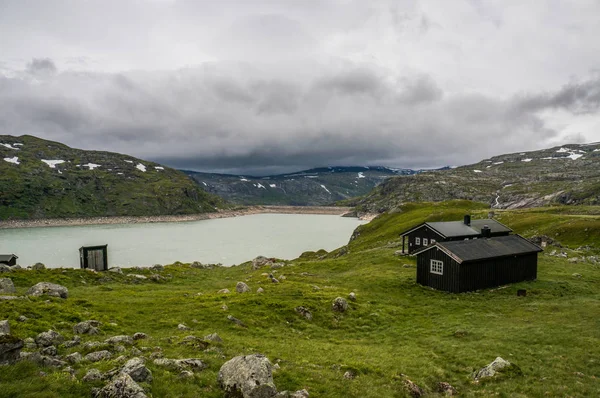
46 179
568 174
313 187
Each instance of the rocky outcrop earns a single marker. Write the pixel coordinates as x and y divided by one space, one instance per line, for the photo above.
49 289
248 376
51 337
180 365
7 286
136 368
10 349
497 367
123 339
241 287
87 327
98 356
261 261
122 386
38 266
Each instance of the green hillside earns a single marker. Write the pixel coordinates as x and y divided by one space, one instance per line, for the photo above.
77 183
394 331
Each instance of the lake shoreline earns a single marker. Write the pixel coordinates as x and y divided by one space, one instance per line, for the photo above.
63 222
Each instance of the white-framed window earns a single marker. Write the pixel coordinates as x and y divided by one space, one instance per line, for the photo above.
432 241
437 267
425 242
417 241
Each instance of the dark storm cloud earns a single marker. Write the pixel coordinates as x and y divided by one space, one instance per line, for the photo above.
240 119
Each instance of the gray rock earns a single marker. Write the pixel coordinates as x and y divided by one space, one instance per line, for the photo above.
213 337
260 261
180 365
29 343
236 321
12 298
87 327
49 338
116 270
76 340
140 336
446 389
349 375
260 290
186 374
49 351
277 265
224 291
137 276
5 268
38 266
98 356
4 328
576 275
7 286
499 365
22 318
10 349
49 289
248 376
157 267
352 296
74 358
273 279
413 389
304 312
123 339
122 386
339 305
297 394
241 287
137 370
181 326
93 375
52 362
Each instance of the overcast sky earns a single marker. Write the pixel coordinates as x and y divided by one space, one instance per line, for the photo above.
264 86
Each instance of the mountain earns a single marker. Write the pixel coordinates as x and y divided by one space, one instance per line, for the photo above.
569 174
45 179
314 187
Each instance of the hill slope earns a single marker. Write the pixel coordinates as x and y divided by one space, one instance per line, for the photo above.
45 179
314 187
561 175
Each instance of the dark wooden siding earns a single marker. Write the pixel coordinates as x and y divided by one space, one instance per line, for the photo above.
94 257
11 262
448 281
422 232
495 272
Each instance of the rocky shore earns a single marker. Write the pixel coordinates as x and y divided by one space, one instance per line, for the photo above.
331 210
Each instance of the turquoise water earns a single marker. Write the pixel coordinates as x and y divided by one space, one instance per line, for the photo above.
227 240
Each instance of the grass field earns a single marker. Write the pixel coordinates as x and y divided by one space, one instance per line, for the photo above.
395 329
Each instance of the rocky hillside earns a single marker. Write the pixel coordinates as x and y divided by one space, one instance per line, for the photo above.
314 187
45 179
561 175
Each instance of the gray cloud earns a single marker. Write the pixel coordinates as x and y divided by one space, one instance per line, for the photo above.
41 66
581 97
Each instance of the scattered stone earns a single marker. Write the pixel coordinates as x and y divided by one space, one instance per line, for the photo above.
50 351
10 349
98 356
7 286
49 338
186 374
119 348
445 388
135 352
90 345
196 264
4 328
499 365
304 312
123 339
297 394
137 276
29 343
224 307
180 365
76 340
349 375
579 374
87 327
74 358
352 296
241 287
213 337
38 266
49 289
116 270
224 291
282 277
93 375
316 288
52 362
412 388
576 275
140 336
260 290
260 261
273 279
181 326
157 278
247 376
122 386
339 305
157 267
407 266
398 253
22 318
136 369
5 268
236 321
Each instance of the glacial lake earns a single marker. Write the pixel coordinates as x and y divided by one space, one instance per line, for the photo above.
227 240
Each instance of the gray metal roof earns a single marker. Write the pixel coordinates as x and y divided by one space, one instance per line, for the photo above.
453 229
494 225
479 249
7 257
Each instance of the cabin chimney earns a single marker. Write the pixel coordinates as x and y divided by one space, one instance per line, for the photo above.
467 219
486 232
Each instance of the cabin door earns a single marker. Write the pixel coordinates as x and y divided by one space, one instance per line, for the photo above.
96 260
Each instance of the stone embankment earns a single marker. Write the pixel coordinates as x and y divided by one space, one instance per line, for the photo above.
331 210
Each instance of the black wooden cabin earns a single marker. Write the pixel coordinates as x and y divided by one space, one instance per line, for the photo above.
94 257
467 265
8 259
429 233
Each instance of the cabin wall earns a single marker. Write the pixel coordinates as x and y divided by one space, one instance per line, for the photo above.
11 262
422 233
448 281
496 272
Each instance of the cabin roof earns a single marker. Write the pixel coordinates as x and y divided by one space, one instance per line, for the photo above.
450 229
480 249
7 257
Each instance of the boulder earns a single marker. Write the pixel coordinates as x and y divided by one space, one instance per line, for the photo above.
123 339
30 343
304 312
93 375
7 286
248 376
181 326
38 266
98 356
49 289
122 386
241 287
49 351
74 358
5 268
140 336
76 340
352 296
297 394
446 389
223 291
46 339
10 349
180 365
273 279
136 369
22 318
236 321
4 328
496 367
87 327
116 270
413 389
213 337
261 261
339 305
260 290
157 267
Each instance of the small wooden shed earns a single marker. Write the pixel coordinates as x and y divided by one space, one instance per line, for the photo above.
94 257
467 265
8 259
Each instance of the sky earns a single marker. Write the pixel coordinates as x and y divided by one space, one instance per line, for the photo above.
272 86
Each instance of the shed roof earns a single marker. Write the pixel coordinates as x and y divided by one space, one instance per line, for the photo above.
7 257
450 229
480 249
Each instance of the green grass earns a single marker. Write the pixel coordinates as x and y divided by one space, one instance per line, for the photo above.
396 327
